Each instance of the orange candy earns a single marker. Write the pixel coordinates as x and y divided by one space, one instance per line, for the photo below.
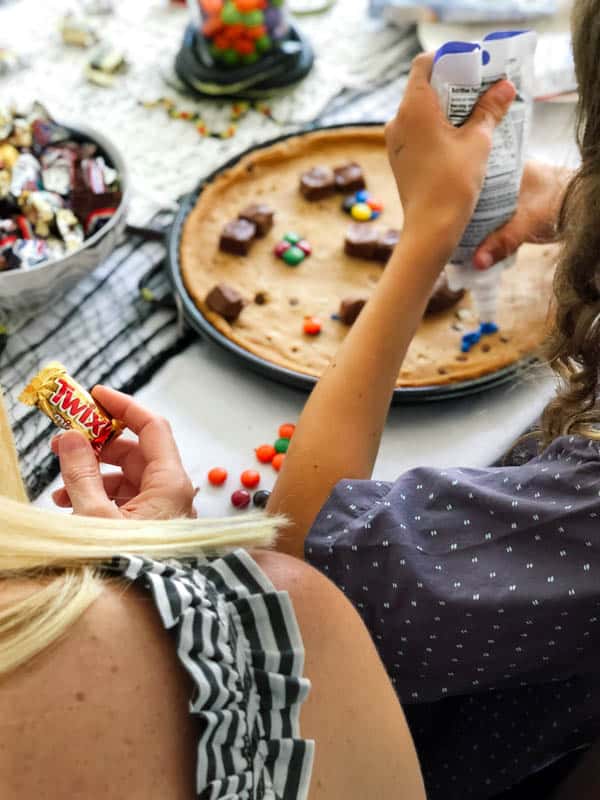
249 5
265 453
278 461
234 32
312 326
256 32
250 478
212 26
212 6
217 476
244 46
286 431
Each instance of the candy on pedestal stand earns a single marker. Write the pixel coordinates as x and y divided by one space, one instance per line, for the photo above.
241 48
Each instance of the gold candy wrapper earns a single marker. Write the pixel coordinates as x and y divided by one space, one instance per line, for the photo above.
69 406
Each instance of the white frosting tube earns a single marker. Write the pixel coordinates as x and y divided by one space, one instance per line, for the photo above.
462 72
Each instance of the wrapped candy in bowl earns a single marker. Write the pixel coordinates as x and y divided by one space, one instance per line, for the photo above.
64 193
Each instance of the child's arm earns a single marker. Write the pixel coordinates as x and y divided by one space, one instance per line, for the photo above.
440 171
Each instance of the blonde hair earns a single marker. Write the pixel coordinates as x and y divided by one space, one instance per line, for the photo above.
64 551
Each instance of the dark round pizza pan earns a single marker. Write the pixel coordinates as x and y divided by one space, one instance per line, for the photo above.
298 380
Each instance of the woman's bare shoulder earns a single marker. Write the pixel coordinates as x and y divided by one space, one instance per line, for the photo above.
102 713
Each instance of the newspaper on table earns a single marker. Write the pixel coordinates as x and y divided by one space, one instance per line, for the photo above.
462 72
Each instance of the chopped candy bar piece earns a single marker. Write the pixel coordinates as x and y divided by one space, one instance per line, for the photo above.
225 301
350 308
317 183
385 245
442 297
362 241
237 236
261 215
349 178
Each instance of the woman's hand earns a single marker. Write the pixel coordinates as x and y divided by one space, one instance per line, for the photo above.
440 169
542 192
151 483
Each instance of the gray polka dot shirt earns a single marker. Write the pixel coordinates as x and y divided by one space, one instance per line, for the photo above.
481 589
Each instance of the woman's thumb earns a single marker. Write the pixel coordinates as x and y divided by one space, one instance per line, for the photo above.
491 107
81 474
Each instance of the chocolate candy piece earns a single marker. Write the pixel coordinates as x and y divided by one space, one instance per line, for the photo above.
349 177
84 202
261 498
350 308
261 215
442 297
385 245
317 183
361 241
226 301
237 236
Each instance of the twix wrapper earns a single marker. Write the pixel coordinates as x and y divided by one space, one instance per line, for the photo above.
69 406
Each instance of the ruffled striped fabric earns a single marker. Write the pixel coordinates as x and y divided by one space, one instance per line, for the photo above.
238 639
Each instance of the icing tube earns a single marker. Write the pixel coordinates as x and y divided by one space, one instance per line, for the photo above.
462 72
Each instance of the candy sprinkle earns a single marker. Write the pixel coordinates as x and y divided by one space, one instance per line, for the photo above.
217 476
312 326
250 478
278 461
240 498
265 453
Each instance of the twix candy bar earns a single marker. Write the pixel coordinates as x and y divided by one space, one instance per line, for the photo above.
69 405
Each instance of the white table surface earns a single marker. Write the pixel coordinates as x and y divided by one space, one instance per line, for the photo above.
221 412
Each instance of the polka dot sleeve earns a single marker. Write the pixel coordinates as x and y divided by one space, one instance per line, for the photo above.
473 579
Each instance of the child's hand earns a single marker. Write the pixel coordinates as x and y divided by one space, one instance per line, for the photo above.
542 192
152 483
440 169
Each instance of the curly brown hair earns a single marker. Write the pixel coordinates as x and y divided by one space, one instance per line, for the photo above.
573 349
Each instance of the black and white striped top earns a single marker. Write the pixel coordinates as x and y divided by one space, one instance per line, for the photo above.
239 640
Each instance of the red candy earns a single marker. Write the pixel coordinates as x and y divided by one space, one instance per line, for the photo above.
375 205
278 461
250 478
265 453
305 246
281 247
217 476
240 498
286 431
312 326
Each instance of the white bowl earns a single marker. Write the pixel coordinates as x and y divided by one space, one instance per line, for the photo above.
27 289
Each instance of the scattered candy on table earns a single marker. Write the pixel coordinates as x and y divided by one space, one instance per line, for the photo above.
240 498
238 110
250 478
282 445
362 207
77 31
217 476
105 64
278 461
293 249
265 453
311 326
261 498
286 431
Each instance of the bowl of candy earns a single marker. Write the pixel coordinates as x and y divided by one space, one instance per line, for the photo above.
63 201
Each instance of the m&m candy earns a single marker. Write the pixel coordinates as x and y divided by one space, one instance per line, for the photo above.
240 498
265 453
293 249
278 461
281 445
312 326
286 431
261 498
250 478
362 207
217 476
